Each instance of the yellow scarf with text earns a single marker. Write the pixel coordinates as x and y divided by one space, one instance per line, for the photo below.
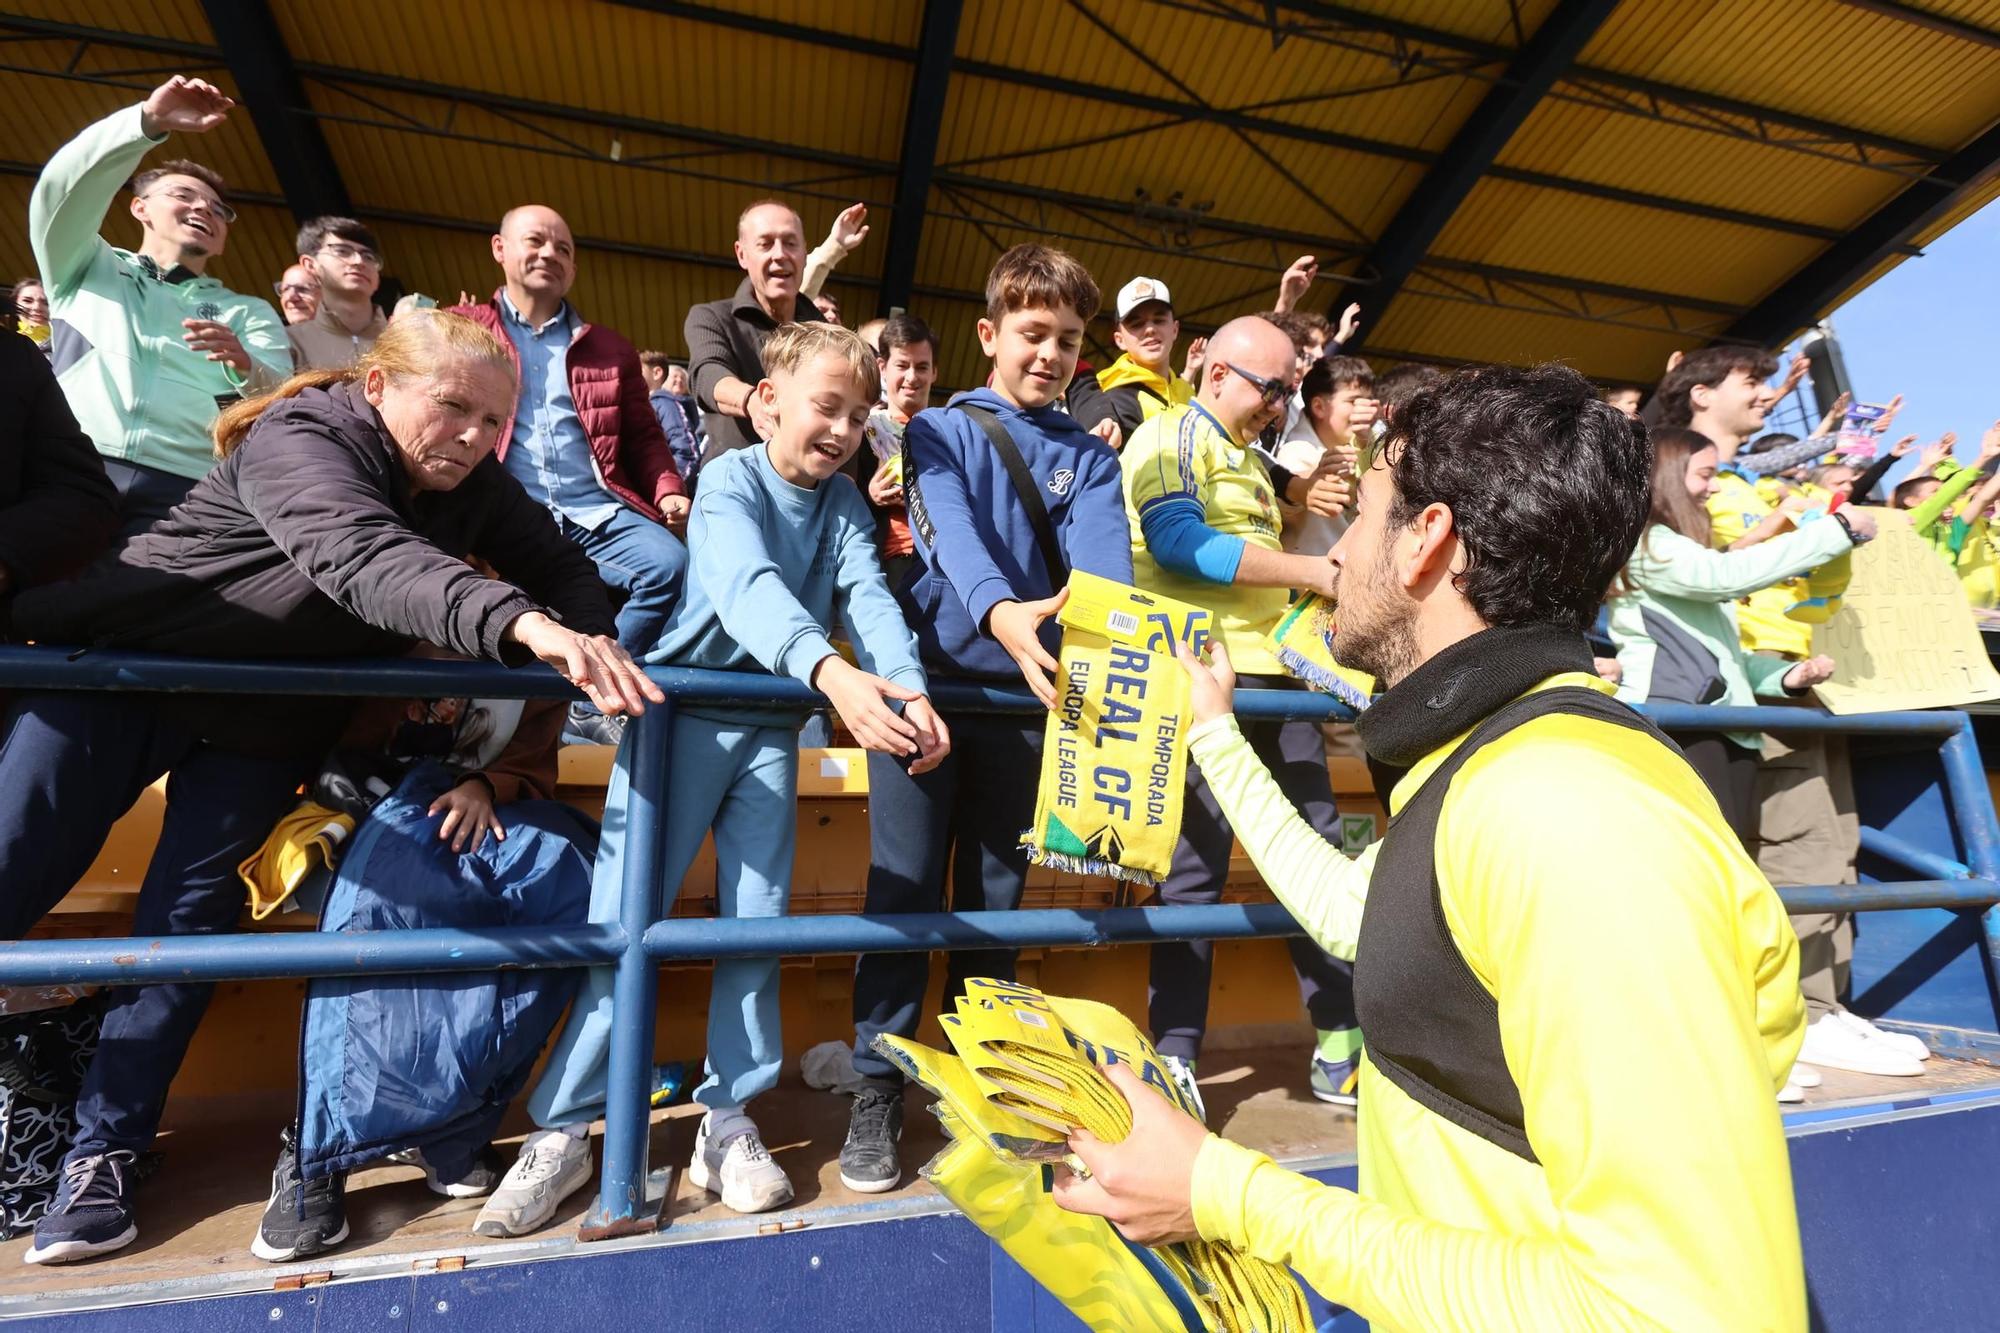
1114 755
1303 645
1024 1076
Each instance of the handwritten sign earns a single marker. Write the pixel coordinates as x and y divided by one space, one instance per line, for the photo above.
1905 637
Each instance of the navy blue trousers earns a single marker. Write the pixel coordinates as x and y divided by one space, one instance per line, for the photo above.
145 494
967 814
1177 996
70 765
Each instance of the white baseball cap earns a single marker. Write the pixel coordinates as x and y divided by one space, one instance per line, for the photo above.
1139 291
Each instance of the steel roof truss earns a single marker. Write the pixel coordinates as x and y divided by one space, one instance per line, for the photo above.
1174 113
268 84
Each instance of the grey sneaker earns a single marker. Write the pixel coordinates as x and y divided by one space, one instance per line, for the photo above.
739 1169
586 726
552 1166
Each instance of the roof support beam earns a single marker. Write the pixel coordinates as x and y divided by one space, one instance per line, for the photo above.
921 123
1408 238
1923 18
1807 294
1097 208
254 49
1361 20
1358 20
1171 110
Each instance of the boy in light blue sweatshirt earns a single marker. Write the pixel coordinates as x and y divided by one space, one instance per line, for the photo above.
988 581
779 544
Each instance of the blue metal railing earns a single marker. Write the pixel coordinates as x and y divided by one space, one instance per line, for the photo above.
640 940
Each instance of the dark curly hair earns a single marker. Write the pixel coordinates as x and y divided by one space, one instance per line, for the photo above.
1710 366
1547 485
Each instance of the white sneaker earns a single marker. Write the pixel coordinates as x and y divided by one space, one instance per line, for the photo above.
739 1169
1181 1071
1837 1041
552 1166
1902 1041
1791 1094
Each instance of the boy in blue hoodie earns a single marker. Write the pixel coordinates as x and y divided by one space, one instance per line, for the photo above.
981 597
778 545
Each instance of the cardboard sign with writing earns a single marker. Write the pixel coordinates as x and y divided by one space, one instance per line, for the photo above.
1904 637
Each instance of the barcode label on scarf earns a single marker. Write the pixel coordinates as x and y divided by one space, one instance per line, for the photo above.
1122 622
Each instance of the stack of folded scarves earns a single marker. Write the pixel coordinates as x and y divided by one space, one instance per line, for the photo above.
1026 1073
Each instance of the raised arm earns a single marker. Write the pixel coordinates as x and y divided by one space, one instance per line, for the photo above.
1989 490
1924 517
850 229
76 189
1671 565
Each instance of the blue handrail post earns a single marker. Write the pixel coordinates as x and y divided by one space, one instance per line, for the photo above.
1972 810
622 1207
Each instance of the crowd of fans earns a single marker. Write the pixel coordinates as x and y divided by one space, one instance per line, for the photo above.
188 469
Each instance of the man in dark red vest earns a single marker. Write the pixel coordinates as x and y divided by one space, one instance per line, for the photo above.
584 440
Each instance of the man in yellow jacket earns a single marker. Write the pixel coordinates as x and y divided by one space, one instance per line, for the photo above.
1579 994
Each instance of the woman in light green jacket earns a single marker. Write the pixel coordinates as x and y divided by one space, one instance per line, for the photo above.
1674 624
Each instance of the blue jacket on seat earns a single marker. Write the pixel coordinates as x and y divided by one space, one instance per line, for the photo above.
431 1062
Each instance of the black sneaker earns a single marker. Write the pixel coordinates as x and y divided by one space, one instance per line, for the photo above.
304 1216
92 1213
868 1162
479 1180
587 726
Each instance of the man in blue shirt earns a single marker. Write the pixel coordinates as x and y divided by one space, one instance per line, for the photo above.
584 440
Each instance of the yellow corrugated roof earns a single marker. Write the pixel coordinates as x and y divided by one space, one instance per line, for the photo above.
1692 158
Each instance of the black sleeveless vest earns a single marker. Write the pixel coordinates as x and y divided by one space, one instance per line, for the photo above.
1432 1029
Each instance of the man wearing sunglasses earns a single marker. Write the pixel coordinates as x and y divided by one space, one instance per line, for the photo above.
1206 529
346 259
146 344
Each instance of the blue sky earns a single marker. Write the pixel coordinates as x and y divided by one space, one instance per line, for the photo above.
1926 330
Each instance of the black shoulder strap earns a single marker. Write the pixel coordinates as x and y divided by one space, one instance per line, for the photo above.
1025 488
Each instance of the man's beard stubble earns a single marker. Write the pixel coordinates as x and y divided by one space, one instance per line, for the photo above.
1382 644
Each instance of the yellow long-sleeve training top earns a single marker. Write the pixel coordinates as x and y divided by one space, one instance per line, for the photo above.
1647 985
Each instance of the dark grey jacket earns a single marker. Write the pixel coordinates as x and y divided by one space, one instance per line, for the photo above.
308 542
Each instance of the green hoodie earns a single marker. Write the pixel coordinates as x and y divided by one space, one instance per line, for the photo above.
141 393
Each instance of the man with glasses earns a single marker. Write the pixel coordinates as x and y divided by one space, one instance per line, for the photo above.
298 294
146 344
346 260
1206 529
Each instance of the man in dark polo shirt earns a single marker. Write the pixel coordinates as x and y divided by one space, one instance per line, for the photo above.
726 338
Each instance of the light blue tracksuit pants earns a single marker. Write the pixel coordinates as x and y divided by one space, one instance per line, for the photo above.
741 780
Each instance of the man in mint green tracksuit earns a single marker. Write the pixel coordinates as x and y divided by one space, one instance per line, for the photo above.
146 346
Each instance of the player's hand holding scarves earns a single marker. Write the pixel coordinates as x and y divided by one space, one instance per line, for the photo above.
1114 759
1027 1073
